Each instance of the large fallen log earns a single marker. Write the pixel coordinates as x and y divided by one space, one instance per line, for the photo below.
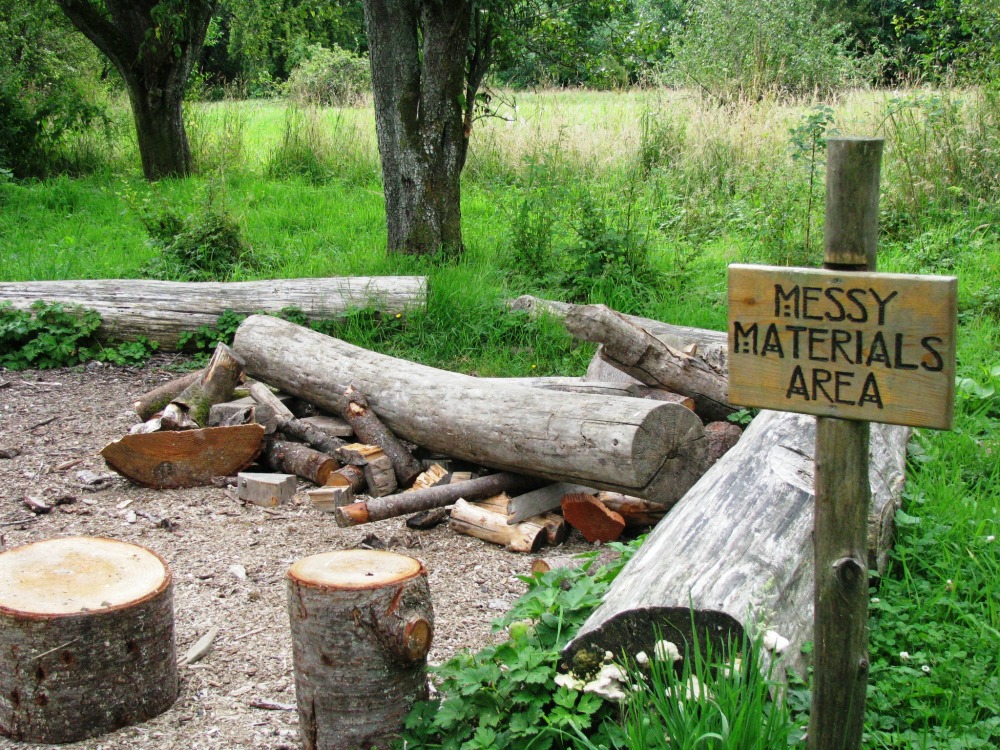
737 548
636 446
162 310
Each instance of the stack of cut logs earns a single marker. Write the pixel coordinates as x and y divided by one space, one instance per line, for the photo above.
508 460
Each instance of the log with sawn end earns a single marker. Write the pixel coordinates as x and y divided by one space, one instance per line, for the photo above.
154 400
302 461
737 549
404 503
635 446
485 523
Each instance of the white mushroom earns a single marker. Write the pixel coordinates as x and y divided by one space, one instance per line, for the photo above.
610 683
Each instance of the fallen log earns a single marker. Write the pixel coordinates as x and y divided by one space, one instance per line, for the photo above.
737 548
190 458
162 310
637 446
610 387
214 385
154 400
630 347
287 457
404 503
370 429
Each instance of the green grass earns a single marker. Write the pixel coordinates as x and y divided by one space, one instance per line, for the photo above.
638 200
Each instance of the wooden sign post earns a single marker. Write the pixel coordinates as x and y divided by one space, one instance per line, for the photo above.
851 346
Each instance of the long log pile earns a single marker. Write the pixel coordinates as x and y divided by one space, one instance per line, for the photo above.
512 460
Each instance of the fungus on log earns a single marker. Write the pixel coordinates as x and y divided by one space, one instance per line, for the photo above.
636 446
739 545
86 639
361 623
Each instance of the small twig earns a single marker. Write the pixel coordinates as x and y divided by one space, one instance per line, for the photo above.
69 464
249 633
29 519
272 705
36 383
64 645
44 422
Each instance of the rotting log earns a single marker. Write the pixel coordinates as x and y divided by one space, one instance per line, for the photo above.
214 385
739 545
636 446
162 310
362 624
190 458
154 400
404 503
370 429
86 639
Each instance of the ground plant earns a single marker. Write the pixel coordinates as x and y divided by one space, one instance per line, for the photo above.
637 199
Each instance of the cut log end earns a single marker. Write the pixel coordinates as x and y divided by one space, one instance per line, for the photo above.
355 569
589 515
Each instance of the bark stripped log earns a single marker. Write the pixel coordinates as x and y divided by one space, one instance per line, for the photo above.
362 624
609 387
484 523
190 458
370 429
86 639
739 545
162 310
636 446
379 509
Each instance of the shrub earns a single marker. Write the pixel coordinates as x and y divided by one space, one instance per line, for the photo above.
332 77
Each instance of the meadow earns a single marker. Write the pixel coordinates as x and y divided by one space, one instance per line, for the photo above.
638 200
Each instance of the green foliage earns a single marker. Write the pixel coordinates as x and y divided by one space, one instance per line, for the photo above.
809 147
505 696
206 244
329 77
949 38
202 340
737 51
51 335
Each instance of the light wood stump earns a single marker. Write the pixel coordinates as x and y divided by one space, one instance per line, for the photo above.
86 639
361 624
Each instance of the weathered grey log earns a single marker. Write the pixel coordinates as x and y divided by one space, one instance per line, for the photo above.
739 545
636 446
632 387
711 346
162 310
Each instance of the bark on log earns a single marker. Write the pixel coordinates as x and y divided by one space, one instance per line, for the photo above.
215 384
486 524
636 446
378 509
370 429
167 460
739 545
321 441
711 346
86 639
153 401
300 460
162 310
362 624
636 351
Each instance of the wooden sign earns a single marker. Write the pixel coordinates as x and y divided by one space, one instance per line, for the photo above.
876 347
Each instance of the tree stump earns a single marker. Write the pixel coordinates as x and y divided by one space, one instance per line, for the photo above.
361 624
86 639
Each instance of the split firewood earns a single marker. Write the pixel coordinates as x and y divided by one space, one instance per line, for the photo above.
191 407
201 647
263 395
190 458
379 473
484 523
327 499
154 401
494 503
541 500
302 461
635 511
460 476
588 514
347 476
636 446
427 519
556 528
36 505
434 474
370 429
403 503
268 490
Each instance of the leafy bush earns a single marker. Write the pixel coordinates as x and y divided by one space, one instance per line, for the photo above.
330 77
735 51
51 335
204 245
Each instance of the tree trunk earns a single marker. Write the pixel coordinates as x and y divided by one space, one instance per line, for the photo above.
739 545
86 639
162 310
418 56
159 125
361 624
635 446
